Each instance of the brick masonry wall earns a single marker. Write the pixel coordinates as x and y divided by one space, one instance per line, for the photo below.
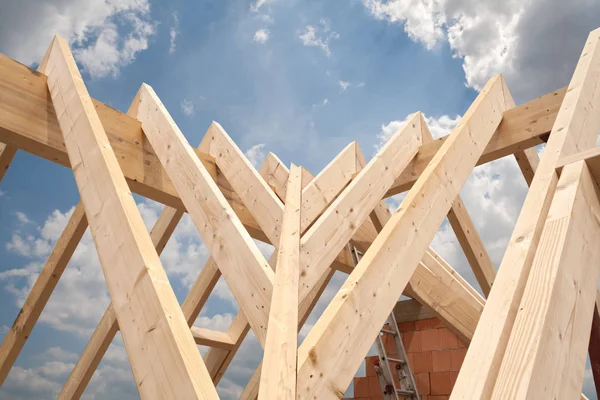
435 356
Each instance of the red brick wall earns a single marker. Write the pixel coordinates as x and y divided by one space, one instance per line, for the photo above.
435 355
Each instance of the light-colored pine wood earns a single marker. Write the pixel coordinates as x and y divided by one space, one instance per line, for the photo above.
577 118
590 156
108 326
434 283
147 310
355 315
208 337
262 203
245 269
42 289
468 238
7 153
331 232
278 377
522 127
28 122
546 354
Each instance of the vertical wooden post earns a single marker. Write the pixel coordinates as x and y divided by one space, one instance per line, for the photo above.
278 378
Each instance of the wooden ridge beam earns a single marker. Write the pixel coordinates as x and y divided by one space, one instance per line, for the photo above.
278 377
546 354
575 129
243 266
145 305
42 289
360 308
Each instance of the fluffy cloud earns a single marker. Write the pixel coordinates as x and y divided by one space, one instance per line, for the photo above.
261 36
534 43
105 34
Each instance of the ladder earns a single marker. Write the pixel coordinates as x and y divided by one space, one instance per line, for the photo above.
385 363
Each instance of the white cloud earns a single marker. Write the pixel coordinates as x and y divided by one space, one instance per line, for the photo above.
344 85
312 37
259 3
534 43
256 154
173 33
22 217
187 107
261 36
105 35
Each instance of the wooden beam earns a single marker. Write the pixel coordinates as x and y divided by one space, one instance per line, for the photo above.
331 232
7 153
356 314
208 337
42 289
522 127
576 118
262 203
278 378
546 354
454 300
28 122
245 269
108 326
590 156
468 238
146 307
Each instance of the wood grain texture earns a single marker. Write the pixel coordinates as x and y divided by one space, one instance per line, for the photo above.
552 326
576 118
108 326
147 310
355 315
331 232
278 377
245 269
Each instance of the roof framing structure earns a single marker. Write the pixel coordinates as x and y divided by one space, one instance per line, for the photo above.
529 335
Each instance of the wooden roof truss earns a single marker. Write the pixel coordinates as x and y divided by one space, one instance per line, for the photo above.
528 339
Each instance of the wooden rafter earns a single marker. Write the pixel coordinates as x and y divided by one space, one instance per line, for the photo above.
576 128
322 369
540 303
135 278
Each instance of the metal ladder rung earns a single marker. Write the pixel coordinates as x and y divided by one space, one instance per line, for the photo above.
396 360
389 332
405 392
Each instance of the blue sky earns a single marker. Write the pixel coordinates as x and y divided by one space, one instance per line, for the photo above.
300 79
